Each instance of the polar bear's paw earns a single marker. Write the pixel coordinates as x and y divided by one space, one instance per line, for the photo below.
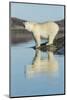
48 44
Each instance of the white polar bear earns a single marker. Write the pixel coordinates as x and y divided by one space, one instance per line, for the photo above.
47 30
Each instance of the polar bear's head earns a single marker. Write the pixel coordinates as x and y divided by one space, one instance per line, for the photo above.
29 26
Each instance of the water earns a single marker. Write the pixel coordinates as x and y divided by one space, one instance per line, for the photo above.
34 72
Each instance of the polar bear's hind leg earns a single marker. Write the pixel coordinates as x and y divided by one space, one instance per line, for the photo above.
53 33
51 38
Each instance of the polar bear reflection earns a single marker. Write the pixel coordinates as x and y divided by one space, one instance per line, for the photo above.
41 64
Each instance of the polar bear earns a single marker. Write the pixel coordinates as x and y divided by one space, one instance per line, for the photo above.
47 30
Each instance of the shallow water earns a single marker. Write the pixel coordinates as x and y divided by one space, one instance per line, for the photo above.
34 72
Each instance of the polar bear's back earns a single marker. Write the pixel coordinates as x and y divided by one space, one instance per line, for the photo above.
50 27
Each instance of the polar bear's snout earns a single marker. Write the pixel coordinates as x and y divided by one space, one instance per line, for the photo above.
24 24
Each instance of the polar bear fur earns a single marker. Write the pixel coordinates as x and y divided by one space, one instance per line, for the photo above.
47 30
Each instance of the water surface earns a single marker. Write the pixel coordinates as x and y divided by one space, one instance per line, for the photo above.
34 72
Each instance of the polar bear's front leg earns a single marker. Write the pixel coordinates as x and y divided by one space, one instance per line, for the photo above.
37 39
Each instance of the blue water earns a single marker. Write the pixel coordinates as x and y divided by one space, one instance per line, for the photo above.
33 73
